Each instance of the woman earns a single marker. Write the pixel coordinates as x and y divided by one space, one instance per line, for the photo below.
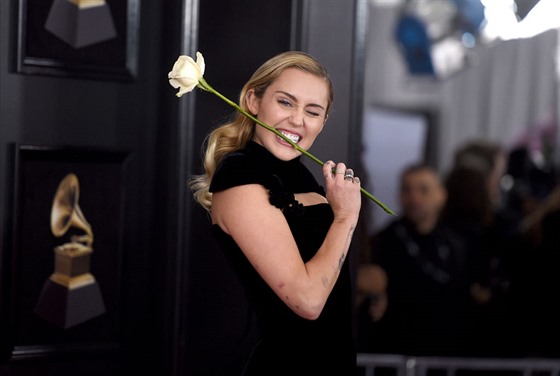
285 236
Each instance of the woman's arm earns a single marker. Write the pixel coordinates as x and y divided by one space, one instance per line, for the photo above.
262 233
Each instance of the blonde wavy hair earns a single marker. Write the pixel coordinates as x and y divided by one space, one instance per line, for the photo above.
235 134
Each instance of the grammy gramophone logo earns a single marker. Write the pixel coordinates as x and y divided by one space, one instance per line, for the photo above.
71 295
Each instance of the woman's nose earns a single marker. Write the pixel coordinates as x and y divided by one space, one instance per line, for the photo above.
297 117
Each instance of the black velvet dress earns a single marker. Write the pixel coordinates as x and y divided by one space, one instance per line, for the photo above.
289 344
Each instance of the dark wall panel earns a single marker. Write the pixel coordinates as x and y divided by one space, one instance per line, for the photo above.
87 113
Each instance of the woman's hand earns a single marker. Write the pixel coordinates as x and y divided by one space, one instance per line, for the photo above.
343 191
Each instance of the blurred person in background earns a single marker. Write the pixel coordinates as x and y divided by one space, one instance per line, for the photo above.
371 301
427 301
537 282
530 178
475 211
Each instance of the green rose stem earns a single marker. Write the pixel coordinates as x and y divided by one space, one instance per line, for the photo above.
206 87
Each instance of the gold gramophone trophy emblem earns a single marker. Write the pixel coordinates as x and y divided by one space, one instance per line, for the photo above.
71 295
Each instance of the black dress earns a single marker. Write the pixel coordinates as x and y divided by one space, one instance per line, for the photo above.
289 344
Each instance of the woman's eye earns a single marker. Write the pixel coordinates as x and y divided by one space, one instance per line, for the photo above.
313 113
284 102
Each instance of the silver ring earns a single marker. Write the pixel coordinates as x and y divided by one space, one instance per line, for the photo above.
349 176
340 171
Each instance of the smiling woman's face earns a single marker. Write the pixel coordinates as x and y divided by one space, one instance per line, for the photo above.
294 104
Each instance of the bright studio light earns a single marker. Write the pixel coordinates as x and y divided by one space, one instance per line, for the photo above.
502 23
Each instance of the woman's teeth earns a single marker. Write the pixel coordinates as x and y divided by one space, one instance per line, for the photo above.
293 137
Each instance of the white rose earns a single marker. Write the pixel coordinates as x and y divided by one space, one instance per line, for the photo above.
186 73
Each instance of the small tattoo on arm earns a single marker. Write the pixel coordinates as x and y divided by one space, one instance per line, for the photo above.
341 261
325 281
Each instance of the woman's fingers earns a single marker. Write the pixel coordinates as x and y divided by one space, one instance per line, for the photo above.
328 170
339 171
349 174
343 188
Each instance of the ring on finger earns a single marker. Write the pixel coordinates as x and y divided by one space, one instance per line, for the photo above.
340 171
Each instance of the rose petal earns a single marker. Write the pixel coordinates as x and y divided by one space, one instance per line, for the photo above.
200 62
173 82
184 90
